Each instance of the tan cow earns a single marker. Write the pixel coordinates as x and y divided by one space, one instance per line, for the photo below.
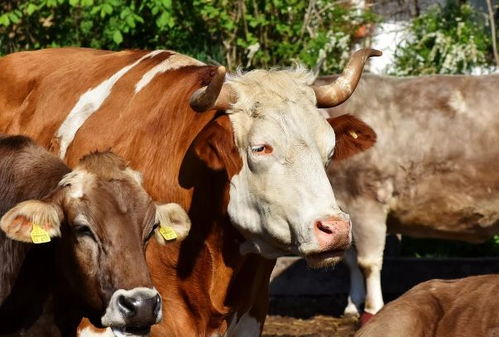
92 225
431 173
441 308
246 155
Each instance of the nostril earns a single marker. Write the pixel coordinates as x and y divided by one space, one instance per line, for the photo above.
323 228
127 306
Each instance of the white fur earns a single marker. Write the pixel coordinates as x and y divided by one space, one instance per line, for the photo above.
276 199
173 62
244 326
89 332
89 103
78 181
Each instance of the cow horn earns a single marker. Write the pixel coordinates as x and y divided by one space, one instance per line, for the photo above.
214 96
333 94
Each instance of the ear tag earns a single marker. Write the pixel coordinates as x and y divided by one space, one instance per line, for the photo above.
39 235
353 134
167 232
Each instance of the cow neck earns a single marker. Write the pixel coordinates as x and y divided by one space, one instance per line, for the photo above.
207 272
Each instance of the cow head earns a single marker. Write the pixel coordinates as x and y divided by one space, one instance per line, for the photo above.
275 145
104 218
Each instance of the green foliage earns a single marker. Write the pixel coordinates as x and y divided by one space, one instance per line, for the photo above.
444 40
251 33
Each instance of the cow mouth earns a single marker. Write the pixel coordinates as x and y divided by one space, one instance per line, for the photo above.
131 332
324 259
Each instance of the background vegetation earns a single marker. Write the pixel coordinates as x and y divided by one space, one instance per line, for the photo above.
251 33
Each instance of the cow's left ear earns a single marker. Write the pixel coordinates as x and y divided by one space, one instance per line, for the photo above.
352 136
174 223
33 221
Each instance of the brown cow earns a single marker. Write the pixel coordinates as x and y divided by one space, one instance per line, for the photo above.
441 308
97 267
249 166
430 173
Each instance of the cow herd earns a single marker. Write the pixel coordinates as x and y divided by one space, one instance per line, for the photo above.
147 193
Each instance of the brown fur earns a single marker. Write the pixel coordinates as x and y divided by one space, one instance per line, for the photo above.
438 308
46 289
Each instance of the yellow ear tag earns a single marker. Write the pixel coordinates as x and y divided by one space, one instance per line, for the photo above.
353 134
167 232
39 235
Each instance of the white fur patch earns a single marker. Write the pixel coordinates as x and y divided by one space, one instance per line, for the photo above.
244 326
78 181
173 62
90 102
89 332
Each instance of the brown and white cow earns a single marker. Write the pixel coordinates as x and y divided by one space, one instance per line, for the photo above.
92 225
246 155
441 308
431 173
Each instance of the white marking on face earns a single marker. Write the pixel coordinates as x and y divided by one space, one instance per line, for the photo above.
244 326
90 102
77 182
278 197
174 61
90 332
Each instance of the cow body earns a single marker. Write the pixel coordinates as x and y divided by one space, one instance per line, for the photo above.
237 173
431 173
97 267
440 308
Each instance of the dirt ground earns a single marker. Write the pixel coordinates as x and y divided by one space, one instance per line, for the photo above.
317 326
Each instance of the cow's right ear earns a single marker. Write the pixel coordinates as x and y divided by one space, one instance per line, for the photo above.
32 221
215 146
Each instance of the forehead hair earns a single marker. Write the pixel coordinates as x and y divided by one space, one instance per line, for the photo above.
259 90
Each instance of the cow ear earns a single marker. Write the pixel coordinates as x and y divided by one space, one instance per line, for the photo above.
33 221
174 223
352 136
215 145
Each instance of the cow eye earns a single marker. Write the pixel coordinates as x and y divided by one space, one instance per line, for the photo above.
83 230
261 149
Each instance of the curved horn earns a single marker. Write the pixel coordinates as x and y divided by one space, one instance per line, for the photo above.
333 94
215 95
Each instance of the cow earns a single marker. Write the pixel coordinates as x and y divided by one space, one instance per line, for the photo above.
245 154
430 173
440 308
90 226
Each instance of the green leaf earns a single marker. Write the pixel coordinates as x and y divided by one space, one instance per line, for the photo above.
117 37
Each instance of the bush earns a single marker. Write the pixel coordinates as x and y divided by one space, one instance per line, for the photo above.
251 33
444 40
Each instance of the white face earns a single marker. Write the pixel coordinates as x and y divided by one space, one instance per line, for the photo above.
282 200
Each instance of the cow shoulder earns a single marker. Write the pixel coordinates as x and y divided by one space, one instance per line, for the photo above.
352 136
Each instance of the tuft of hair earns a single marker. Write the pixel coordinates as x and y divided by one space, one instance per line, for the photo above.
108 165
264 86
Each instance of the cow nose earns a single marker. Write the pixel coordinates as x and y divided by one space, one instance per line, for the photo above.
333 233
139 310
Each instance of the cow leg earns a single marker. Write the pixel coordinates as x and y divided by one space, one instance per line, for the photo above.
369 233
357 291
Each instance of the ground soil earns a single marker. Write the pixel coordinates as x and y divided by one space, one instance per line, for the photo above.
316 326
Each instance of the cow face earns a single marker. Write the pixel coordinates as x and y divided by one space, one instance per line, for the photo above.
275 145
104 218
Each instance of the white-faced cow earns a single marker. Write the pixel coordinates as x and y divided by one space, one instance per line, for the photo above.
441 308
246 155
432 172
94 223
